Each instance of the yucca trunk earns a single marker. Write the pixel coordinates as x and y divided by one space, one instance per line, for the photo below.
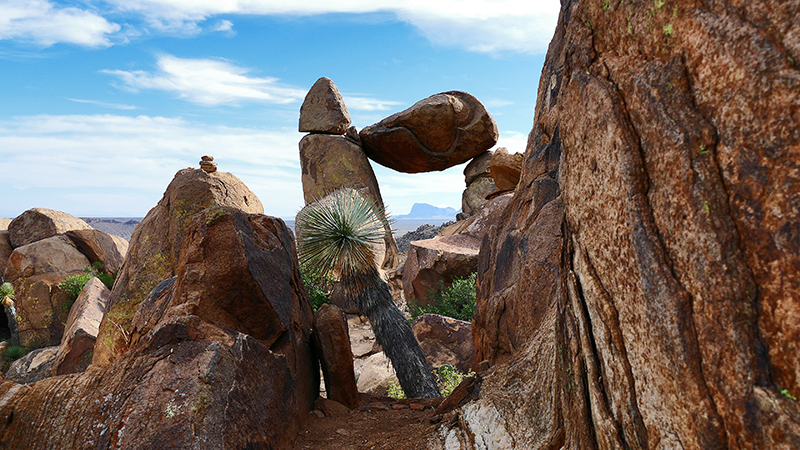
393 332
11 315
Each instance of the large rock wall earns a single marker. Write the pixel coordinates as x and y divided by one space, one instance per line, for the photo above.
643 288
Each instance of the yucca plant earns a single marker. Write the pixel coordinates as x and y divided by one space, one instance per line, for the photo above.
335 236
7 299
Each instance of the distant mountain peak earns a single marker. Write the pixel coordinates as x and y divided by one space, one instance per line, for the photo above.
427 211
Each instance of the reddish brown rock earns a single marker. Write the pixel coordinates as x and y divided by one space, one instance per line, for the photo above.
435 133
330 163
481 224
220 358
333 348
41 223
156 245
505 169
80 332
473 199
34 366
643 289
100 247
42 309
54 254
445 340
5 251
478 167
323 110
437 261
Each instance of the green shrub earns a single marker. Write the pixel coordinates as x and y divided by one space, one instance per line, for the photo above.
74 285
447 377
318 287
14 353
456 301
6 290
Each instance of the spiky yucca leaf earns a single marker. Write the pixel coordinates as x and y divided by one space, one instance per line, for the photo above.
6 290
335 234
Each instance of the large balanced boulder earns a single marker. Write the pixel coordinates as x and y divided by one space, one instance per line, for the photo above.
80 331
41 223
435 133
219 358
323 110
433 263
156 245
643 288
55 254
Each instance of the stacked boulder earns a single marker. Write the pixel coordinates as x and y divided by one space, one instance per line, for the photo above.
47 246
332 158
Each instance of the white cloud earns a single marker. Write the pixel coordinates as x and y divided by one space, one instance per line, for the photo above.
223 25
369 104
132 159
486 26
40 22
103 104
209 82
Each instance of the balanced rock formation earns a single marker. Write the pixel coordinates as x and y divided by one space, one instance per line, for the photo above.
41 223
323 110
156 245
331 162
643 288
437 261
445 340
478 178
219 358
333 348
80 332
207 164
435 133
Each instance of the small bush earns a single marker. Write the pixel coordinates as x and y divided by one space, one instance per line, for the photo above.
6 290
318 287
14 353
447 378
456 301
74 285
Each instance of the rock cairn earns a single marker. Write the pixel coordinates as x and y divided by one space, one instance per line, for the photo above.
207 163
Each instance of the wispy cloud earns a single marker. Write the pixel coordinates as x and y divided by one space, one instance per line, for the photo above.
135 158
486 26
103 104
209 82
223 25
42 23
368 104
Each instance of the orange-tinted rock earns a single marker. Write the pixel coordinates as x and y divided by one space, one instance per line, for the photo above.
5 251
505 169
435 133
439 260
333 348
221 358
156 245
42 308
41 223
55 254
323 110
643 289
77 344
100 247
445 341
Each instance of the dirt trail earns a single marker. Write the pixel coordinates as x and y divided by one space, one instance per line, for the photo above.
380 423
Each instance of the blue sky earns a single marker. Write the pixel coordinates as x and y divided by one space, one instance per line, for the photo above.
103 101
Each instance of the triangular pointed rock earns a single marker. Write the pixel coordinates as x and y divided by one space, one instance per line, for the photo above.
323 110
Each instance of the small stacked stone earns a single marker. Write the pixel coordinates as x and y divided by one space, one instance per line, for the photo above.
207 163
